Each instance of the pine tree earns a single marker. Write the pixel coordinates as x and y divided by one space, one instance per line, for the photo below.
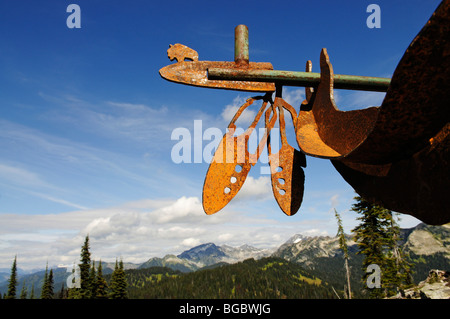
101 283
85 265
344 248
11 294
118 282
63 293
24 291
50 284
47 285
377 238
75 291
32 292
398 271
93 281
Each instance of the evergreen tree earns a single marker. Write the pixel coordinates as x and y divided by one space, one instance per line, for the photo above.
101 283
118 282
50 284
93 281
11 294
75 291
344 248
398 271
32 292
377 239
62 293
85 265
47 285
24 291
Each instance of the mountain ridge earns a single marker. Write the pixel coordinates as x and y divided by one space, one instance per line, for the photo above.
429 247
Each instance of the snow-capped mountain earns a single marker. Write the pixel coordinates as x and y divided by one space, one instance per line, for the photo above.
210 254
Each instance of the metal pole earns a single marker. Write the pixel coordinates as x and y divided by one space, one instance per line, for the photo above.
241 55
306 79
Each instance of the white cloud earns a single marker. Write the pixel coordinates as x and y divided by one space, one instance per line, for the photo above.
246 117
20 176
334 200
315 232
359 100
136 231
184 209
294 96
255 188
191 242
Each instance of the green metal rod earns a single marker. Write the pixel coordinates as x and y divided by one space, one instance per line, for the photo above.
241 55
306 79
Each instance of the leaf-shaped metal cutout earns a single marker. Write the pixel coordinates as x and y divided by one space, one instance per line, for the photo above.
286 170
231 163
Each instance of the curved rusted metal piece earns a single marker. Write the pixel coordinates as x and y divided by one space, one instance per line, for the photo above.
232 161
417 186
287 175
322 129
400 158
406 168
195 73
415 108
417 104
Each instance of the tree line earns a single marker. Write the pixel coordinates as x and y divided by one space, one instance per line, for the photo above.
377 238
265 278
88 282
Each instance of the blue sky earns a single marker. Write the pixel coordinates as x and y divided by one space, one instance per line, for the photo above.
86 121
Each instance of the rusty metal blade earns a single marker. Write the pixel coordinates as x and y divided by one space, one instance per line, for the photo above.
417 186
322 129
196 73
287 175
417 103
231 164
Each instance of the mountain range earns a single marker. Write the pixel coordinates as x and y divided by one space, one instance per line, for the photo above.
206 255
428 247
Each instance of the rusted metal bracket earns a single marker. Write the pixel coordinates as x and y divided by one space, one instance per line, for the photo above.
396 155
189 70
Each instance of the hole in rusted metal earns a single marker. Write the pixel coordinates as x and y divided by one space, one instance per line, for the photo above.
281 181
238 168
227 190
233 179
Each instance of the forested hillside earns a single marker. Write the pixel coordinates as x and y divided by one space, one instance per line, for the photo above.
265 278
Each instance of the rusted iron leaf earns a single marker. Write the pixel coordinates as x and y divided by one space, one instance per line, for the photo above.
287 175
232 162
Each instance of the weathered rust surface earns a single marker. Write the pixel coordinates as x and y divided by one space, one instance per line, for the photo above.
417 103
418 185
296 78
404 164
322 129
189 70
241 46
232 162
396 155
287 175
196 73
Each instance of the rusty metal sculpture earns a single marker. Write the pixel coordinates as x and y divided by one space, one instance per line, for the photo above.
396 155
